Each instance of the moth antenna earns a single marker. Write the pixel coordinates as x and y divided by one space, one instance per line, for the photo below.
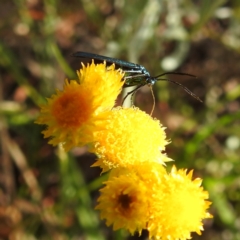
183 87
176 73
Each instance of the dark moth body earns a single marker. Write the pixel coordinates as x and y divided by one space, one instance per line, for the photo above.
135 74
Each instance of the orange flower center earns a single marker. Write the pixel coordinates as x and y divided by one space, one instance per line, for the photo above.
71 109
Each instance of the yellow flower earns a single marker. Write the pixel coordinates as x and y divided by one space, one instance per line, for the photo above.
123 203
131 137
102 83
179 207
72 115
126 200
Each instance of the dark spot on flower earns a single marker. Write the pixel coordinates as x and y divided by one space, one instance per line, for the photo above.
125 200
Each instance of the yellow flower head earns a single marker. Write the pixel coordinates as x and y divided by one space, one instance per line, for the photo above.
71 115
124 203
126 199
131 137
180 206
102 83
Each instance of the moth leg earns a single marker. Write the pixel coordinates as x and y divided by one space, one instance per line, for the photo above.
132 92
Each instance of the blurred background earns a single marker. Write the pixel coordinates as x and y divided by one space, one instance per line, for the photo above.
48 194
